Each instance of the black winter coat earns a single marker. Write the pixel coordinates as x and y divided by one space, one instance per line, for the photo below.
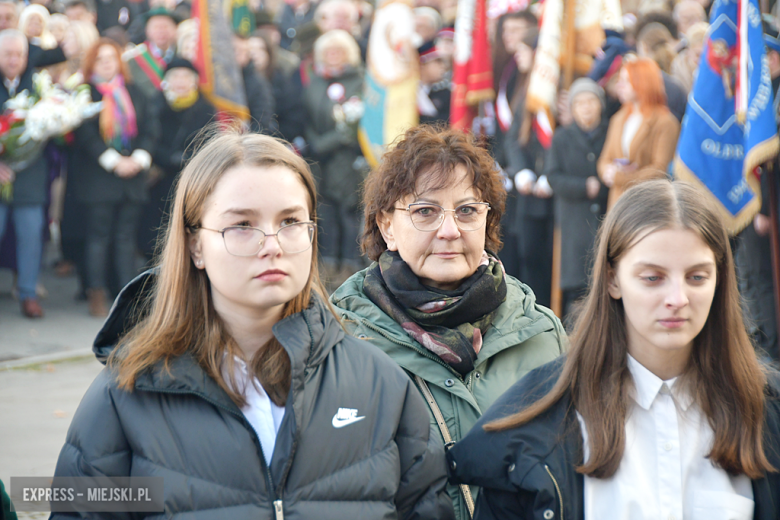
182 426
531 156
528 472
97 184
572 159
173 150
31 183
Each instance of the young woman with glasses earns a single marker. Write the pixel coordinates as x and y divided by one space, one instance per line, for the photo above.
437 299
661 408
233 379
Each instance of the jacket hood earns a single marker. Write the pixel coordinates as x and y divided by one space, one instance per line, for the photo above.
123 315
307 336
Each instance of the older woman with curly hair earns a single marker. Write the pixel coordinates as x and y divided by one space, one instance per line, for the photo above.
436 299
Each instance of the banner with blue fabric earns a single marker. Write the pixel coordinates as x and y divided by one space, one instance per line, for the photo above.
729 126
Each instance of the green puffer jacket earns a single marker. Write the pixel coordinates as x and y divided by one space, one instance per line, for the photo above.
523 336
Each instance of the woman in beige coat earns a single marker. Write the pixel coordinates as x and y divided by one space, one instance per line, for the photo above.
642 135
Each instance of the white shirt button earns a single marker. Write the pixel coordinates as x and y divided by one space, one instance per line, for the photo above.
548 514
668 447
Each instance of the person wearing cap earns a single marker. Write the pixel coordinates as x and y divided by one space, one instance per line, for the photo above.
433 94
184 112
148 61
445 46
580 197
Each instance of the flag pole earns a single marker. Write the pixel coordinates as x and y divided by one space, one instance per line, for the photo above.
556 296
774 240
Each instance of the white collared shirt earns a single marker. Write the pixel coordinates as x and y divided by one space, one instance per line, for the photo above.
12 85
664 473
264 416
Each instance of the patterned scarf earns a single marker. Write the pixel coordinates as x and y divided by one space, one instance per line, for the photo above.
448 323
117 117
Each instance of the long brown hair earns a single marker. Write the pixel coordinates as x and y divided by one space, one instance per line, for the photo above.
723 374
180 315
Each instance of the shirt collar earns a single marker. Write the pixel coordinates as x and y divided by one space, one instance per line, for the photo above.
11 83
648 385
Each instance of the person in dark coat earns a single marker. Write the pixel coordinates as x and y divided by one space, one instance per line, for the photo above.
532 227
433 95
259 95
239 387
643 418
29 181
114 156
333 103
289 112
183 115
580 198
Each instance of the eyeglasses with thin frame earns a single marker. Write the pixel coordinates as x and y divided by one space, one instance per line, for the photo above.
429 217
248 241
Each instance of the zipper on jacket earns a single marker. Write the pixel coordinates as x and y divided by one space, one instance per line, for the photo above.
278 509
557 489
421 351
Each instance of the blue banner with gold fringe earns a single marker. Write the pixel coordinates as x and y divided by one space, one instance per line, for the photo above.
729 126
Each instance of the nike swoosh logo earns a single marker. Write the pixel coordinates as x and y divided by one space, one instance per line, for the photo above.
340 423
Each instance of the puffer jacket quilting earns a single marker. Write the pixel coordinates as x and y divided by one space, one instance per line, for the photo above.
182 426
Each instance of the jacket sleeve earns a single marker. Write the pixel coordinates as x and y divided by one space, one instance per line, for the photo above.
495 504
95 445
148 120
422 492
569 186
611 149
663 147
87 135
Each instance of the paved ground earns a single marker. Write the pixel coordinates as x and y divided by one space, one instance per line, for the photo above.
46 365
37 402
66 327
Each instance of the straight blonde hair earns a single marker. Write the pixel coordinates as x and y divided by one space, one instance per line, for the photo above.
179 313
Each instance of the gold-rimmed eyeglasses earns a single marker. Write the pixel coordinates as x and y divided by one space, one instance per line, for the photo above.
248 241
429 217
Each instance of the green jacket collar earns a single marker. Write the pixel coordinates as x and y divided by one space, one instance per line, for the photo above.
517 320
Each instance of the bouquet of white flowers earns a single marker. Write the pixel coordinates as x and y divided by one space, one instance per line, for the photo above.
29 119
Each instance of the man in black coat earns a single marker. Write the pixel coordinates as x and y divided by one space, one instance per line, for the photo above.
29 181
183 115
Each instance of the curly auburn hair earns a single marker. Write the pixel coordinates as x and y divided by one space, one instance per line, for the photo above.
432 152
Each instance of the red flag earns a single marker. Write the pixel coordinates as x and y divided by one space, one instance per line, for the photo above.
220 76
472 71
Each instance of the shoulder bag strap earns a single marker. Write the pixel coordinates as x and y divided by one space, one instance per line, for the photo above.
445 432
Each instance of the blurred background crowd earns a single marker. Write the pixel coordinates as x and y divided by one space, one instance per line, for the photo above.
100 192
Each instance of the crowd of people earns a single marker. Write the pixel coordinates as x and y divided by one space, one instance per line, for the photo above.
355 342
107 185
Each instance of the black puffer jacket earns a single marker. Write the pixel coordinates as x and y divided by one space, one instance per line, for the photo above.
183 426
528 472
